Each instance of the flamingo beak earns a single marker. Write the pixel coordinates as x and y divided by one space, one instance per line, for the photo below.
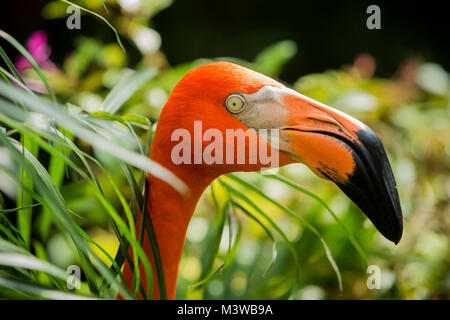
339 148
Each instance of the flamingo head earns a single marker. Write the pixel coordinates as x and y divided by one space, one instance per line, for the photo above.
222 98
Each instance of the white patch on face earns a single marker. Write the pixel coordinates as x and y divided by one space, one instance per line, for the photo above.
265 110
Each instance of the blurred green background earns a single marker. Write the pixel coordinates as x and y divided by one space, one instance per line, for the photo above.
394 79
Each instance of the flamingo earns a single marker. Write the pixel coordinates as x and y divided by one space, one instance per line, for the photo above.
224 96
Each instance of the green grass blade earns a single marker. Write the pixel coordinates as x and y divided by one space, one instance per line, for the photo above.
39 290
104 6
51 198
17 77
19 208
55 153
125 89
255 207
73 124
154 246
271 60
349 234
212 250
301 220
98 16
29 262
24 199
56 170
30 58
8 231
267 231
234 237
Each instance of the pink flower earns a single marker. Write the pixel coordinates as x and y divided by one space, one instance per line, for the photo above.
39 49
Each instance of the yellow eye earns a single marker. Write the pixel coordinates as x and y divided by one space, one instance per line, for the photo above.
235 103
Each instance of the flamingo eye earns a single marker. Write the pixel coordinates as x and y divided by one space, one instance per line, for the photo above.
235 103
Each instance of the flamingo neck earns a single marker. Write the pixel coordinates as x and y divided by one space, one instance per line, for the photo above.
170 213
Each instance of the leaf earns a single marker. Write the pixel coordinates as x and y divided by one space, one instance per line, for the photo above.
273 58
267 231
24 218
17 77
251 203
75 125
20 208
50 197
125 89
137 119
29 262
214 243
107 115
39 290
234 227
30 58
154 247
350 235
301 220
100 17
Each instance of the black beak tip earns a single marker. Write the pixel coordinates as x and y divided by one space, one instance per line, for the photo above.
381 207
372 186
396 239
395 233
399 234
384 214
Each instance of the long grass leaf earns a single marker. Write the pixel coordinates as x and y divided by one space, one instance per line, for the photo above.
39 290
70 122
24 218
154 245
52 199
348 233
301 220
98 16
19 208
213 248
17 77
29 262
30 59
125 89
